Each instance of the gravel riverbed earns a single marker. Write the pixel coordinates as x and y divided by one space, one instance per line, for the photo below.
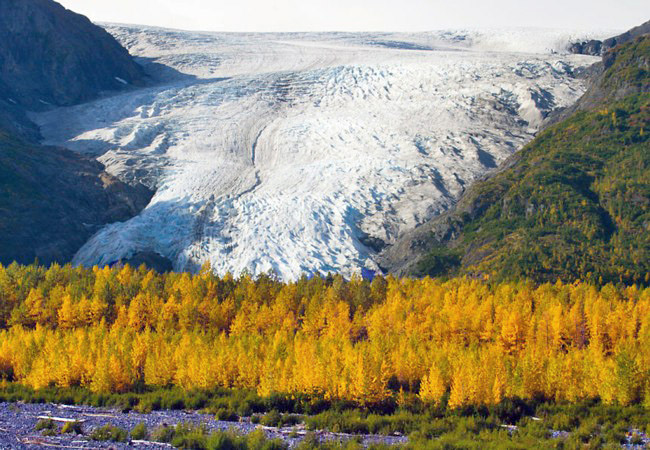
18 421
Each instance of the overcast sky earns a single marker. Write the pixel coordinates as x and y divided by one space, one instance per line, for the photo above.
365 15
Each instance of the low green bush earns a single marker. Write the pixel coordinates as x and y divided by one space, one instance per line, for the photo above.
194 437
276 419
45 424
109 433
339 422
140 432
163 433
227 415
72 427
587 423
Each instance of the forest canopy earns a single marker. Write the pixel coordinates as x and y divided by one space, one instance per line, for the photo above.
473 342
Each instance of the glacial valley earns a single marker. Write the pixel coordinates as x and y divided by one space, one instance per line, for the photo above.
298 153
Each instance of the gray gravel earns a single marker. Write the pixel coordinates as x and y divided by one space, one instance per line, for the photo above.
18 420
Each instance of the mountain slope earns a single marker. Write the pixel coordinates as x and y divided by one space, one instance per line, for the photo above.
616 77
50 55
574 203
53 200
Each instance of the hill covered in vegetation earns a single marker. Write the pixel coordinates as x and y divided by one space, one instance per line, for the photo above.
574 204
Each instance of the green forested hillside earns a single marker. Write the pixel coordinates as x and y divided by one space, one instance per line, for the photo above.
574 205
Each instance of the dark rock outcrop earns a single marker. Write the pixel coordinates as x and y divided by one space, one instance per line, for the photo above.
49 55
595 47
151 260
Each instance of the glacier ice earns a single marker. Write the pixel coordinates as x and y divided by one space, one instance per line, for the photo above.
304 152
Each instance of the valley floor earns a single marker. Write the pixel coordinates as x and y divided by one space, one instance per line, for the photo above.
19 430
18 422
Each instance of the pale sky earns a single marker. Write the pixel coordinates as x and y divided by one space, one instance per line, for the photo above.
365 15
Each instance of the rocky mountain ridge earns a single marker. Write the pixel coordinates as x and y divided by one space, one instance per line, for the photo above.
595 47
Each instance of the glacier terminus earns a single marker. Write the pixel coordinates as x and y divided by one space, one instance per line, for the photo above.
304 152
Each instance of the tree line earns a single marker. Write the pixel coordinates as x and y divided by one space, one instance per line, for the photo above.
463 341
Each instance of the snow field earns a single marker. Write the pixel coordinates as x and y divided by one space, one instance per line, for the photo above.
284 152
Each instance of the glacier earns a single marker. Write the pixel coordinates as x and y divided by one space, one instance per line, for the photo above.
304 152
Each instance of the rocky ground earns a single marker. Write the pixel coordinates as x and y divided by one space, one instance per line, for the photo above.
18 421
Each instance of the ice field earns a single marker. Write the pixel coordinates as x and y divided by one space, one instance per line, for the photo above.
309 152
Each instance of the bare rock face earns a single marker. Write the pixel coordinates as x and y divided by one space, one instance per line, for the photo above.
606 87
593 48
626 37
151 260
49 55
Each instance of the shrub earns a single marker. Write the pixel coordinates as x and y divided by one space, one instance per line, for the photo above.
109 433
275 419
163 434
223 440
257 440
227 415
190 438
511 410
614 435
196 400
563 422
72 427
140 432
339 422
271 419
187 436
310 441
45 424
